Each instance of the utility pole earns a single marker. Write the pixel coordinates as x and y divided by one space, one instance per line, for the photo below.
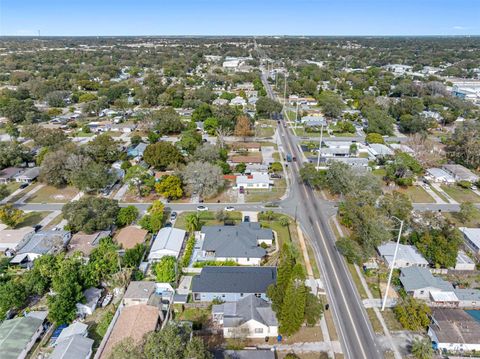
296 116
392 266
320 147
285 92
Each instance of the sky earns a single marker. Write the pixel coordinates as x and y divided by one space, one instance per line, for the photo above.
239 17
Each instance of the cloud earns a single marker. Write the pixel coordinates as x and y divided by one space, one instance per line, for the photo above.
459 28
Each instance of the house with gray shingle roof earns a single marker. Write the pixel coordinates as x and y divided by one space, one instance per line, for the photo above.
240 243
250 317
419 283
74 347
231 284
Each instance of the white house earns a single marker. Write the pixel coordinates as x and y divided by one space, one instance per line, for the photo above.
420 283
254 180
472 238
460 173
407 255
168 242
439 176
92 296
464 262
238 101
250 317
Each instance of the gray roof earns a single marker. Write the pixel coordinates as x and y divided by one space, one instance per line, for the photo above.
460 172
234 279
30 173
76 328
236 241
75 347
407 253
248 308
15 334
467 294
249 354
414 278
139 290
472 234
44 242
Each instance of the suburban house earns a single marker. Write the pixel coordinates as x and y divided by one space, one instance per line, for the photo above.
28 176
438 175
220 102
454 331
254 181
85 243
92 296
240 243
252 159
40 243
472 238
130 236
420 283
468 298
249 317
379 150
138 150
238 101
464 262
18 335
76 328
168 242
138 292
8 174
12 239
75 347
133 322
231 284
407 255
460 173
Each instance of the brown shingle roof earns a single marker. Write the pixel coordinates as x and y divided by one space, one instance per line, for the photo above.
246 159
133 322
130 236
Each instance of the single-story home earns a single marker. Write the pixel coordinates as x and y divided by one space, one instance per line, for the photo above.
468 298
255 180
18 335
133 322
85 243
231 284
249 354
168 242
249 317
420 283
461 173
407 255
130 236
246 146
438 175
92 296
240 243
138 292
8 174
238 101
379 150
29 175
464 262
75 347
472 238
454 331
76 328
12 239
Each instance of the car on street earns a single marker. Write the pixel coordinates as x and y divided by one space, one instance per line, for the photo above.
241 190
229 208
202 208
173 216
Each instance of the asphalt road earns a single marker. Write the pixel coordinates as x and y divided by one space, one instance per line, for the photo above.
353 326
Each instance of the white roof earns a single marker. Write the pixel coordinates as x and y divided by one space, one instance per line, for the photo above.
444 296
168 241
405 253
439 173
462 258
255 177
401 147
380 149
473 235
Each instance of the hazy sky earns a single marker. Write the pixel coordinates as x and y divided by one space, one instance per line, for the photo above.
240 17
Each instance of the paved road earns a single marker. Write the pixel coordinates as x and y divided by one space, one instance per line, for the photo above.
353 326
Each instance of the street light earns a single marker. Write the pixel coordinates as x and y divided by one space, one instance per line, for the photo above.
392 266
320 147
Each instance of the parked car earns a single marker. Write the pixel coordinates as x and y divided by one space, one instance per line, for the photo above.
275 175
246 218
229 208
173 216
202 208
37 227
23 185
241 190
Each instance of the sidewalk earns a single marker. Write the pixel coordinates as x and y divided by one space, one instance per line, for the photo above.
432 194
30 193
444 194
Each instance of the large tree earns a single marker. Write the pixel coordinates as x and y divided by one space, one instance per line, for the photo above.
331 104
203 179
11 216
13 154
162 155
464 145
170 187
103 148
266 107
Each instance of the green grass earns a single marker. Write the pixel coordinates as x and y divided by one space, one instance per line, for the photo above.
460 194
379 172
390 320
272 194
439 194
50 194
376 325
23 192
453 216
33 218
208 218
417 194
357 281
13 186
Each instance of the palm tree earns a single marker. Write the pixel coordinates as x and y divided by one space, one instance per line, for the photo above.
422 348
192 222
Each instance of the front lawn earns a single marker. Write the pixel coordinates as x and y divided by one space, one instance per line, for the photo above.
263 195
33 218
416 194
50 194
207 218
460 194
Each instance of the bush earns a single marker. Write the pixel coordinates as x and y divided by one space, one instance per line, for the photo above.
229 263
464 184
102 326
187 255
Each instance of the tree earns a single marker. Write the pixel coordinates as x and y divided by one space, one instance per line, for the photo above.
153 220
135 139
103 148
165 269
161 155
331 104
192 222
311 176
266 107
210 125
379 120
201 113
240 168
13 295
127 349
103 263
242 127
90 214
207 153
190 141
92 176
127 215
203 179
133 256
292 314
170 187
140 180
412 314
4 192
11 216
467 212
276 167
13 154
422 348
45 137
397 204
313 309
167 121
464 145
350 249
373 137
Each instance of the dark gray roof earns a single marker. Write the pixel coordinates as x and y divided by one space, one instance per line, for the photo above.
139 290
75 347
45 241
236 241
234 279
249 354
248 308
414 278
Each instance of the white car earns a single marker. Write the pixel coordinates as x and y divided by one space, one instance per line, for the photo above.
229 208
202 208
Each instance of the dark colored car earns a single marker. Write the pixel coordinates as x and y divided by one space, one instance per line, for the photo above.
246 218
23 185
